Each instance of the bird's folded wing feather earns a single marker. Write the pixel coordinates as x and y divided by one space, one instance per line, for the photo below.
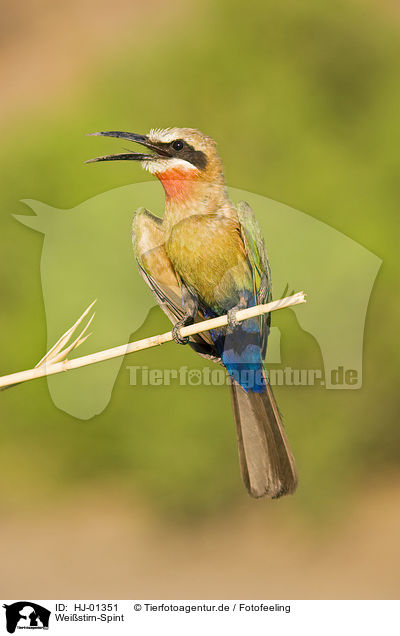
258 259
157 271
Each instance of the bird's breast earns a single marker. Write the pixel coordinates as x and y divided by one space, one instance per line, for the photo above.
208 253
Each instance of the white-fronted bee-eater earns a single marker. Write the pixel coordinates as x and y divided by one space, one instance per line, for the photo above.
206 258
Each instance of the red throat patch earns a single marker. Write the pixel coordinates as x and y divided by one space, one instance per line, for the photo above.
178 183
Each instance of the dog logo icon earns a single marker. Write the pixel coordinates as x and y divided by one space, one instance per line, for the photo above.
26 615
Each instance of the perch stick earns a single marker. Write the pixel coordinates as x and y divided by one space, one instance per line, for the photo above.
51 364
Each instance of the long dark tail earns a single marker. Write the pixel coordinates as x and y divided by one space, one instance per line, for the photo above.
266 461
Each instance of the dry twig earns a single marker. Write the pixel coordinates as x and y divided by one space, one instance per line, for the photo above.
55 361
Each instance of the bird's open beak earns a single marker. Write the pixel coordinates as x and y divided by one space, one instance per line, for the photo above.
135 156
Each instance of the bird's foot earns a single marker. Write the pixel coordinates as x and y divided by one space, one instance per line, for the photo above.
184 322
232 321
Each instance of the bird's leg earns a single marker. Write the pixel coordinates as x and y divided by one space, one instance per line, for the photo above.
190 305
232 322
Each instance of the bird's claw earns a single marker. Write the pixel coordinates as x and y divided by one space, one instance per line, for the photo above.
176 337
176 328
232 321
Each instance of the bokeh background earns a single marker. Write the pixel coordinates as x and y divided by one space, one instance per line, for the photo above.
145 500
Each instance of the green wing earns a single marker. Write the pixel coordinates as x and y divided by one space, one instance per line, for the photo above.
258 259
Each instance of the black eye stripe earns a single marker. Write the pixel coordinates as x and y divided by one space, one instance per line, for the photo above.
196 157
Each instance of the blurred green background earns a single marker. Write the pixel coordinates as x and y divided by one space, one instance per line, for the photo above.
146 498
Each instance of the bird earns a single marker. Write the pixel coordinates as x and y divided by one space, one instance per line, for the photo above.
204 258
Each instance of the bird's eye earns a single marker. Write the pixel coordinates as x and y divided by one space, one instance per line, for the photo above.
177 144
